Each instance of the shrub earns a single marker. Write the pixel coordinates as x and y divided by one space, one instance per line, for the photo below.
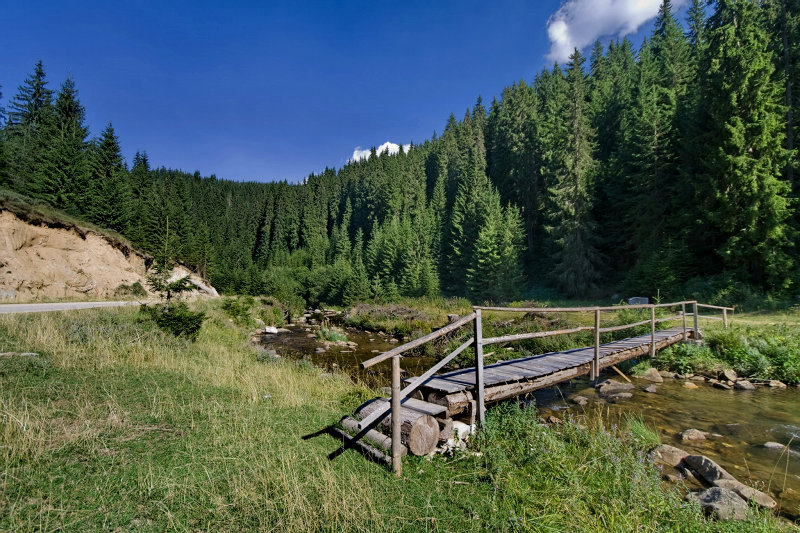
688 358
135 289
176 318
239 309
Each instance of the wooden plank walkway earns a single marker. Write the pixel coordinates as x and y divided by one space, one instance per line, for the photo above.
534 367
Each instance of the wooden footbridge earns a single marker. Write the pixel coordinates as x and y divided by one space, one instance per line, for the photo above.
415 418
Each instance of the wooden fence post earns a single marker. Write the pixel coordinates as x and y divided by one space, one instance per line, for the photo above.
683 315
725 317
696 332
397 459
479 368
596 364
652 331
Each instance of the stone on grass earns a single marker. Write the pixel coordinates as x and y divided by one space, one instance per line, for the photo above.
651 388
720 503
652 375
272 330
729 374
748 493
667 455
743 384
708 469
693 434
689 385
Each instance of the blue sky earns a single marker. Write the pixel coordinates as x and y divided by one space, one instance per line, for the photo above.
267 91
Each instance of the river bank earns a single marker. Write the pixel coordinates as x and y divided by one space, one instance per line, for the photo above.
743 425
117 425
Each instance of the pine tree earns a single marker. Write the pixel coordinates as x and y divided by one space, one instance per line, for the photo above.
571 224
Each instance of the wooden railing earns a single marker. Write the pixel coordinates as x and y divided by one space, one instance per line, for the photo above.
475 318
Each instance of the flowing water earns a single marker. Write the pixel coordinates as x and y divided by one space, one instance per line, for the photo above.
739 422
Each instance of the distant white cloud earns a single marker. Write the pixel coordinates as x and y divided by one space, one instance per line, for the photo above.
578 23
391 147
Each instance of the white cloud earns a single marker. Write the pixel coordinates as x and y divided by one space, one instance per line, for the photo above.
578 23
391 147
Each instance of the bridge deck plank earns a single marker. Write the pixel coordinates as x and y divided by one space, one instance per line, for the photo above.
527 368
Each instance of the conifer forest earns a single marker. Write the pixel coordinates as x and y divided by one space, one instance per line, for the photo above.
669 169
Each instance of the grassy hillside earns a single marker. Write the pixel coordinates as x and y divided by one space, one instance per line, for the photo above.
117 426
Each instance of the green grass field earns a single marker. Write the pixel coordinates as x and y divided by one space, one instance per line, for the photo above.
117 426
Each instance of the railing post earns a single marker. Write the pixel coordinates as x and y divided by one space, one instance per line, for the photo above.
397 459
696 332
596 364
652 331
725 318
683 315
481 419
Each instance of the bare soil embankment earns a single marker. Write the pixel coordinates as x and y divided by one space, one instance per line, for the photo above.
52 260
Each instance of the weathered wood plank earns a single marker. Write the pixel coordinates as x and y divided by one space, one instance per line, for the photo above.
535 367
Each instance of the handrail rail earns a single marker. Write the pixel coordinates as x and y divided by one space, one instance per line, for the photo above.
419 342
581 309
533 335
479 342
716 307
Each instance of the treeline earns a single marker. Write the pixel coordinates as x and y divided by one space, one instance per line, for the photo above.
668 169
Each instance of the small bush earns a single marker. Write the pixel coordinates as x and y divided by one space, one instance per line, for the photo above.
763 352
239 309
272 316
688 359
176 318
135 290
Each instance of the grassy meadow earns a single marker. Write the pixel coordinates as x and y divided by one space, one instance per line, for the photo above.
117 426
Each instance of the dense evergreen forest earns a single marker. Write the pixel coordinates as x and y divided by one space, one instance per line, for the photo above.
669 169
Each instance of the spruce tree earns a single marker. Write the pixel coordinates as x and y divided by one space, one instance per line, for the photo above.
741 125
109 200
571 223
29 116
63 177
3 164
140 187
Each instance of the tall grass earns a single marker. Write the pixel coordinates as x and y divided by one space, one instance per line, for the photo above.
119 426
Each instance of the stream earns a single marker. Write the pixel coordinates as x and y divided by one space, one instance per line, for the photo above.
738 422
